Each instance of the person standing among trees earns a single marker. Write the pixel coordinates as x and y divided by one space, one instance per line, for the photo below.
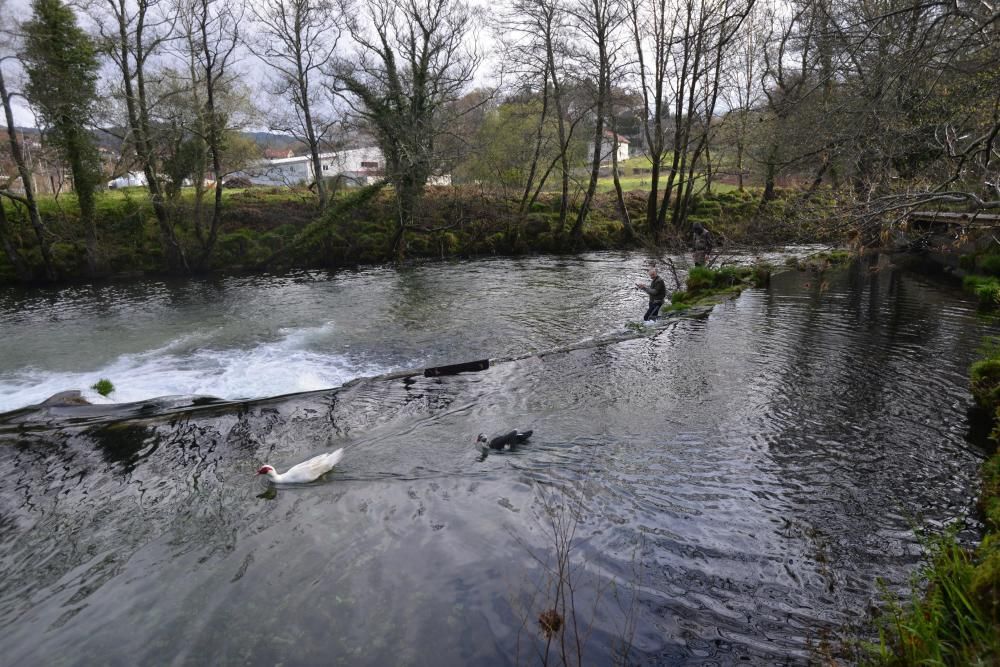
657 291
701 241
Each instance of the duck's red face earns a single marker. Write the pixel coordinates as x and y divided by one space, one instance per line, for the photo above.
264 470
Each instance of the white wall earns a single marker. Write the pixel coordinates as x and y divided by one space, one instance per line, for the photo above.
360 165
606 145
131 179
277 173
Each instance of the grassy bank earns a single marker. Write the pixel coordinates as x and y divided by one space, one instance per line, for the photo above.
953 614
281 228
706 286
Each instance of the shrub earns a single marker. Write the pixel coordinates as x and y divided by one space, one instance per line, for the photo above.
700 279
943 625
986 289
985 380
989 264
709 208
103 387
985 584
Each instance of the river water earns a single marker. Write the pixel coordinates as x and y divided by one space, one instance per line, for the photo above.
731 487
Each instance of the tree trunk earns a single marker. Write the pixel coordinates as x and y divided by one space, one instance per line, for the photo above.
622 209
29 190
311 137
770 172
406 200
739 165
539 134
215 148
137 110
81 157
595 173
563 139
21 269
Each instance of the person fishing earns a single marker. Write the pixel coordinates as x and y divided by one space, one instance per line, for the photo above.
701 241
657 291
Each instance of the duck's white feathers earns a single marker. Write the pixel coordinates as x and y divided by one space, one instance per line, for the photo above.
307 471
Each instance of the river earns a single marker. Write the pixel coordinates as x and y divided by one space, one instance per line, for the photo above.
734 485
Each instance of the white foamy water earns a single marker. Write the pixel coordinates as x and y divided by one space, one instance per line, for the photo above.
293 363
257 336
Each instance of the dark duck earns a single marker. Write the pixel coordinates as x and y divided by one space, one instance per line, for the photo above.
505 441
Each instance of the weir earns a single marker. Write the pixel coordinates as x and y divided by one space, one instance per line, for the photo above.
748 475
72 413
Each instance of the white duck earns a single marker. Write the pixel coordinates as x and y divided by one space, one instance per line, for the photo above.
307 471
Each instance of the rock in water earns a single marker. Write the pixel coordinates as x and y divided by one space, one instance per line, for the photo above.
65 398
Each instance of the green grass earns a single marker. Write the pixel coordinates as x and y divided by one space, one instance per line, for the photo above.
644 183
986 288
943 622
706 285
952 616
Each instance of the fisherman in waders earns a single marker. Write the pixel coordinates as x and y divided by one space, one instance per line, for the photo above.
701 241
657 291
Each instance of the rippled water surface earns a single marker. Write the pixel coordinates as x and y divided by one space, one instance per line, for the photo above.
740 480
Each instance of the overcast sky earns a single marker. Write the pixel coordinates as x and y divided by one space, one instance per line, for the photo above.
12 11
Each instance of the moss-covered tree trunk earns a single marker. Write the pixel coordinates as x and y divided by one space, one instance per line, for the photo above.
61 64
83 165
24 172
21 269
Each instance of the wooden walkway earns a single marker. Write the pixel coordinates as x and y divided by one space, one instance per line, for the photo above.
933 218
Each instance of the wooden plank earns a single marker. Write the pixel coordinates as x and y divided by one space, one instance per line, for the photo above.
956 218
455 369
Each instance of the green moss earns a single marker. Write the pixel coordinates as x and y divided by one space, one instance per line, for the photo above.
989 264
986 288
103 387
990 499
985 382
700 279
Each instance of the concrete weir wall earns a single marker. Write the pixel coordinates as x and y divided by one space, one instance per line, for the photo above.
69 410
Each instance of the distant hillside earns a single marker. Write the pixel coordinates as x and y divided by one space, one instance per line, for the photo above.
109 138
271 140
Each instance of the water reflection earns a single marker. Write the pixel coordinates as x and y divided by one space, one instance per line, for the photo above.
739 484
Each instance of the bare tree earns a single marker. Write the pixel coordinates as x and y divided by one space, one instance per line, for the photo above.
741 91
616 176
680 52
28 199
537 32
413 60
297 39
136 34
212 37
597 21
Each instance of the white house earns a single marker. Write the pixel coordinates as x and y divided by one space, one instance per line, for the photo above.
606 146
131 179
359 165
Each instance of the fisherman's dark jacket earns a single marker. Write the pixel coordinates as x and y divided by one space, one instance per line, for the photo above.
657 290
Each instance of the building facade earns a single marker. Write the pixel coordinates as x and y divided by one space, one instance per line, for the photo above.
607 145
361 166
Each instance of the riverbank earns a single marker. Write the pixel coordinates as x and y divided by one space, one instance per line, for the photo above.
953 614
279 229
